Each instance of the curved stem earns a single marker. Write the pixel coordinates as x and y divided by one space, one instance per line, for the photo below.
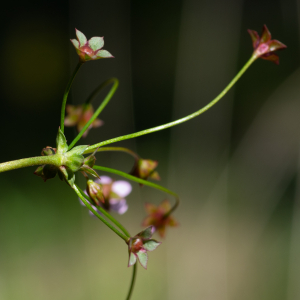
121 149
145 182
65 97
104 212
132 281
179 121
55 160
115 82
89 206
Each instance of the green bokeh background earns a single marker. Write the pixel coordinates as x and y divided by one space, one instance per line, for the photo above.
235 167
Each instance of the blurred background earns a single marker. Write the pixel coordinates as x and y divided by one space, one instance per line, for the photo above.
235 167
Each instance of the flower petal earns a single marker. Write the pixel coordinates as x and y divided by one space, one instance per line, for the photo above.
104 180
75 43
266 35
151 245
81 38
104 54
96 43
272 57
150 208
255 37
97 123
143 258
121 188
118 205
132 259
165 206
146 233
275 45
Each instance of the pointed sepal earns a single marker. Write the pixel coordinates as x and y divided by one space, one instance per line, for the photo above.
151 245
146 233
132 259
143 258
61 142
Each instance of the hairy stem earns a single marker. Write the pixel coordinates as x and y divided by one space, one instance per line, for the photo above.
89 206
145 182
115 82
55 160
182 120
104 212
120 149
65 97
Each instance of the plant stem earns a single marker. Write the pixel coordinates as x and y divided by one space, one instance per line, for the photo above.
179 121
142 181
132 281
55 160
104 212
121 149
65 97
115 82
89 206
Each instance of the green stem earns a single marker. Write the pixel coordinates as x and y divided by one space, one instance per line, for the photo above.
88 205
104 212
132 281
179 121
142 181
121 149
67 90
55 160
115 82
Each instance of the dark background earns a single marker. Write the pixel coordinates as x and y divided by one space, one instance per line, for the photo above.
235 167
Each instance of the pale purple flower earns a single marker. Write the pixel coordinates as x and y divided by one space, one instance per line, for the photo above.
114 193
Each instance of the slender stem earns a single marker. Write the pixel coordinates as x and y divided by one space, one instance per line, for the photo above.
104 212
55 160
121 149
142 181
179 121
89 206
115 82
132 281
67 90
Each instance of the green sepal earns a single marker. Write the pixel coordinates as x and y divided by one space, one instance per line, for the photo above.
90 160
77 150
89 170
132 259
67 175
61 142
147 233
73 159
151 245
74 162
143 258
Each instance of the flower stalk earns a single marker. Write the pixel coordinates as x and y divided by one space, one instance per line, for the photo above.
65 97
89 206
182 120
115 82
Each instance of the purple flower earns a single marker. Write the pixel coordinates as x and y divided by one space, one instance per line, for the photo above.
114 193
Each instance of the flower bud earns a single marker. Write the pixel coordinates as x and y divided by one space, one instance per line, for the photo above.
94 190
